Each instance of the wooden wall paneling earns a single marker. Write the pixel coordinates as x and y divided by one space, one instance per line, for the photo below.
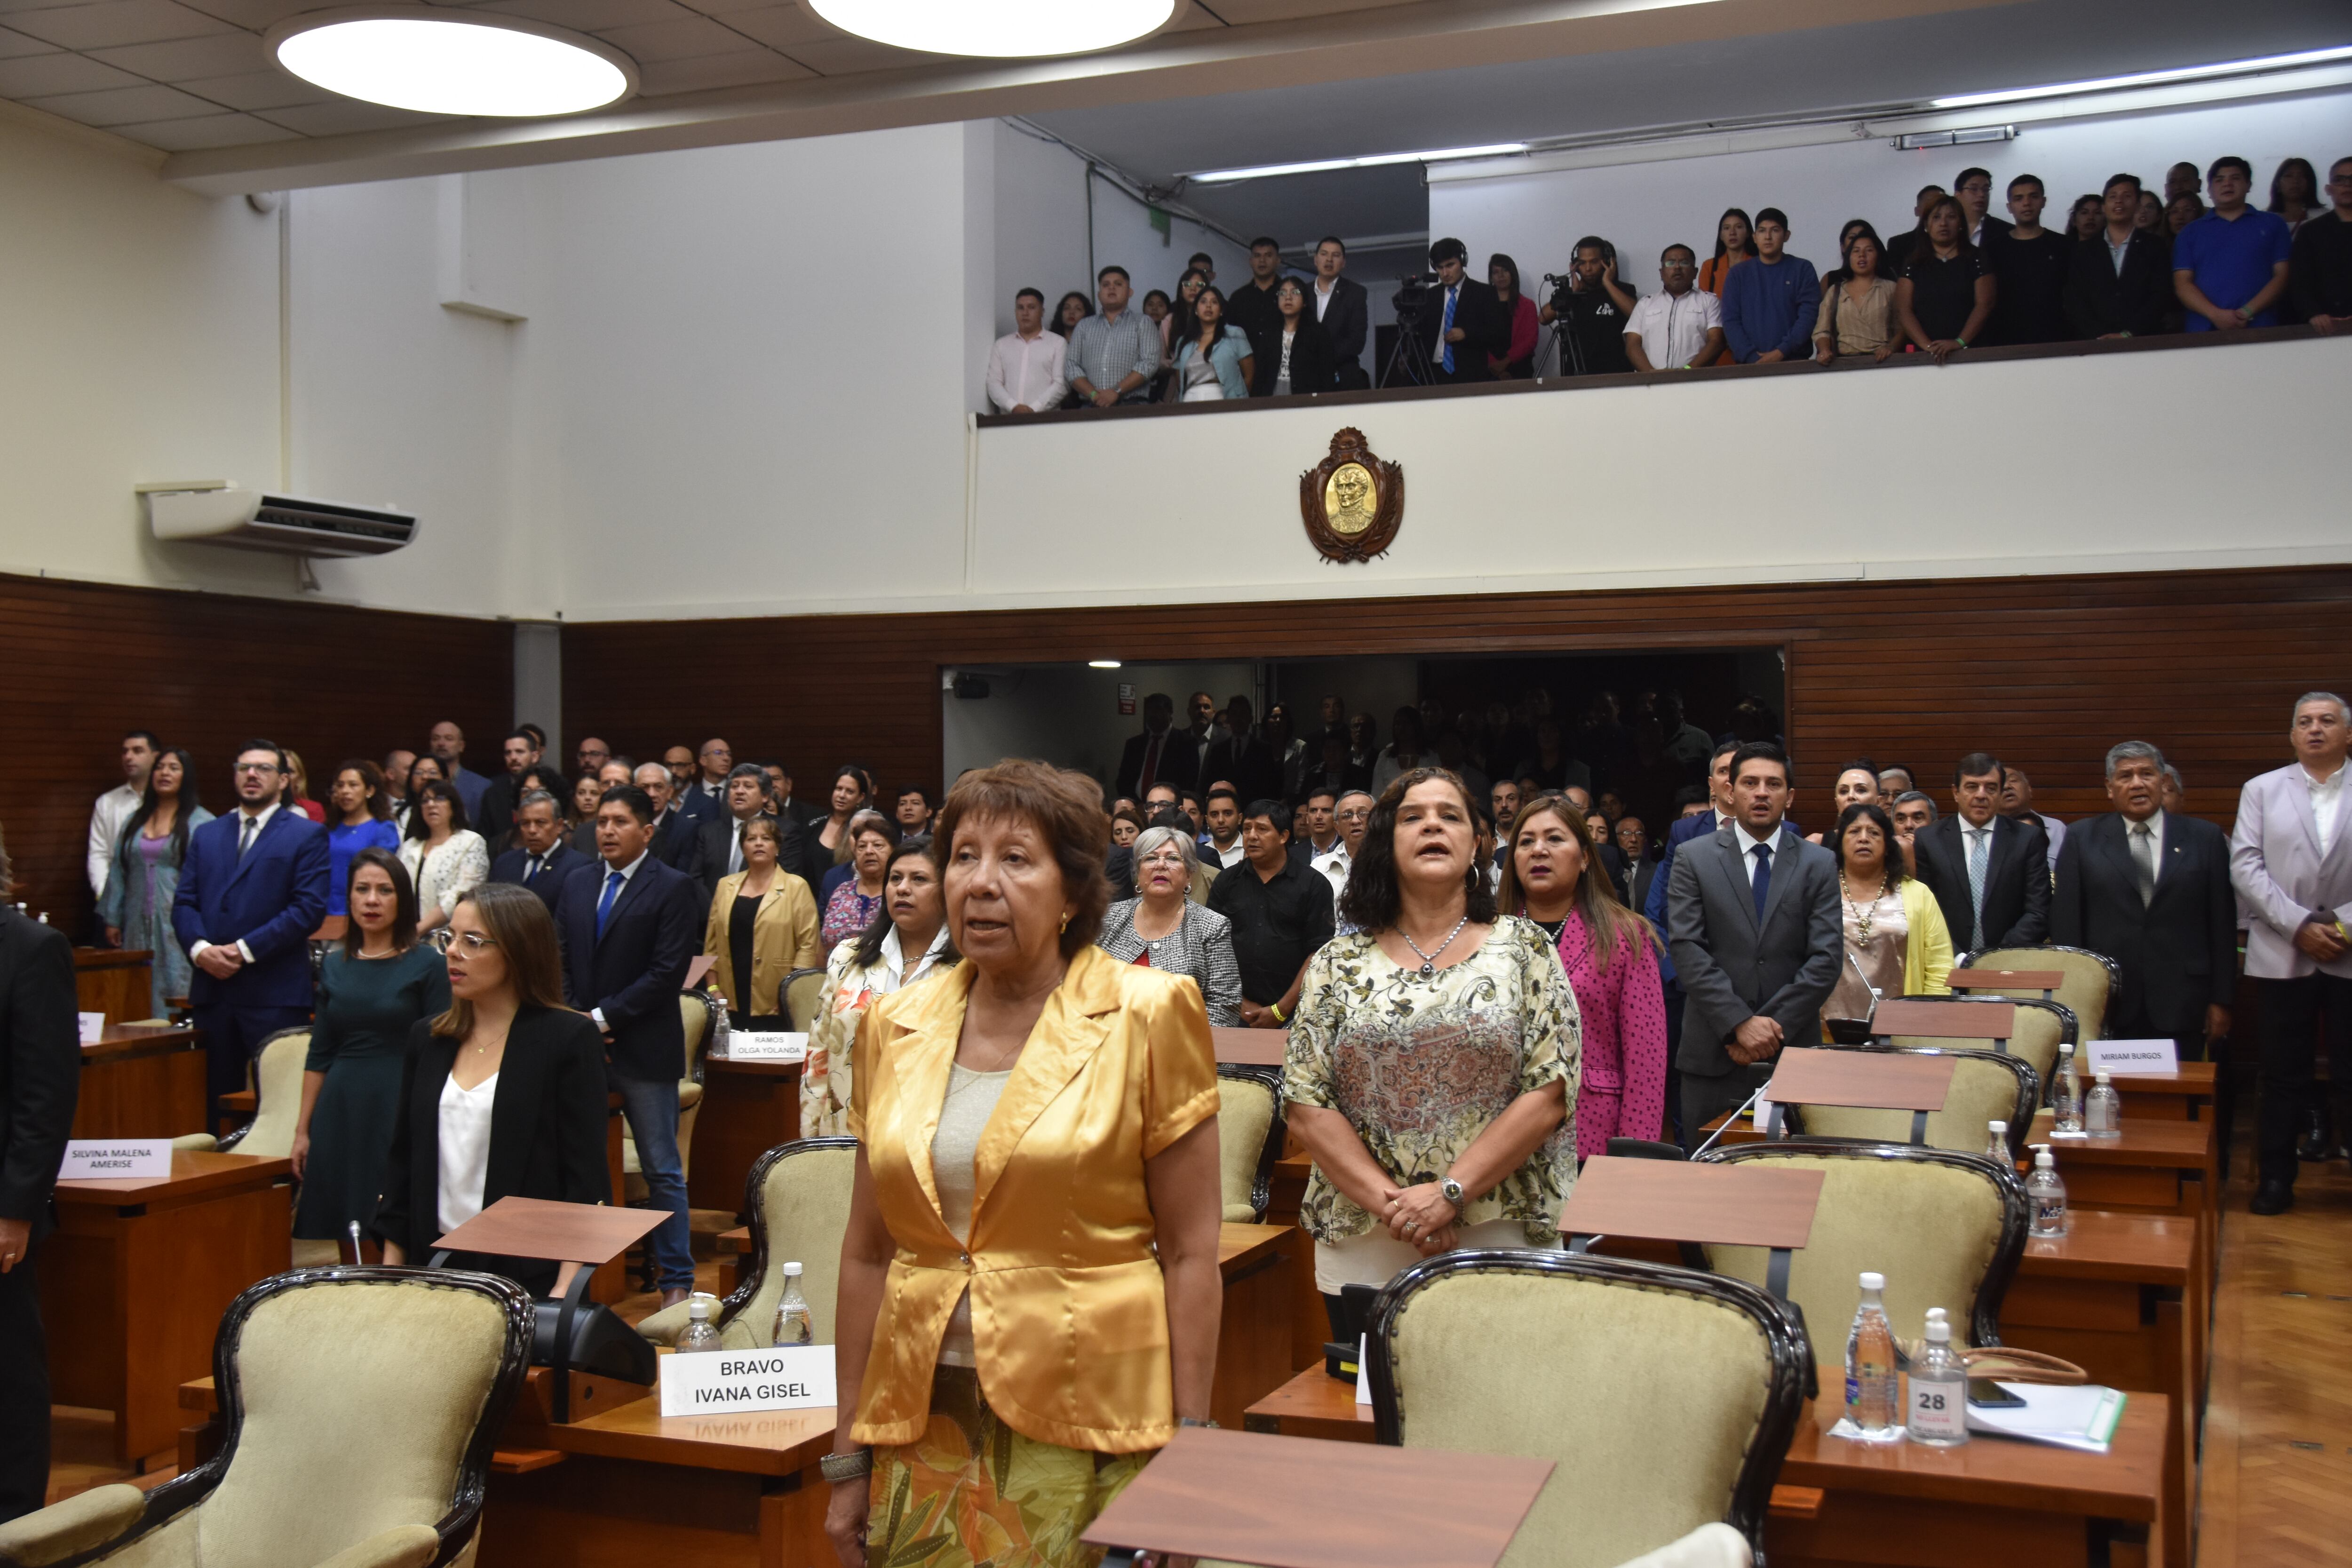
88 661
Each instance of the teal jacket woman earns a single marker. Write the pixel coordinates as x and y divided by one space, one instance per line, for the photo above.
145 877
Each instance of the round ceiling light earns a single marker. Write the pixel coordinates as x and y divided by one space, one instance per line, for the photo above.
446 61
999 27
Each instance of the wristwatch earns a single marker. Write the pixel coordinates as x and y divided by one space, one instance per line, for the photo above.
1451 1189
840 1467
1188 1421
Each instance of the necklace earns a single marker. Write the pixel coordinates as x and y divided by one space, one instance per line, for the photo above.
1429 960
1865 916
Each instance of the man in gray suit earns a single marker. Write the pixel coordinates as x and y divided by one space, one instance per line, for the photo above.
2291 863
1752 914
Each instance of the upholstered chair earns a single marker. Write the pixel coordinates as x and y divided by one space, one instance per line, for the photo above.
1250 1129
698 1011
1946 1230
2036 1030
1708 1546
359 1407
1667 1397
803 994
1986 1087
2089 989
798 1197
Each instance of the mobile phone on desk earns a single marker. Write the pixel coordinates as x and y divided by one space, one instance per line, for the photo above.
1987 1394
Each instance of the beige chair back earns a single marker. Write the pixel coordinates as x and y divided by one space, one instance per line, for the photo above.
1987 1086
278 1088
803 994
1946 1228
2037 1029
2090 986
1667 1397
1250 1130
798 1197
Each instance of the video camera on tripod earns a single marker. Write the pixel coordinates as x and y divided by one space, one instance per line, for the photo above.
1416 292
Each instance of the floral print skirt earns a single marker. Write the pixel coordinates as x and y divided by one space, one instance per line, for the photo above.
971 1492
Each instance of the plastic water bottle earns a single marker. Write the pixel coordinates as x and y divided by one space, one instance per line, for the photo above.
1939 1389
1870 1381
721 1027
2103 1113
1996 1143
700 1335
2066 1094
2045 1196
793 1324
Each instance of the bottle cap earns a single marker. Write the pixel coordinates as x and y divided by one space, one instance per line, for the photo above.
1871 1281
2065 1047
791 1270
1936 1313
2101 1076
2001 1127
698 1309
1940 1330
2044 1161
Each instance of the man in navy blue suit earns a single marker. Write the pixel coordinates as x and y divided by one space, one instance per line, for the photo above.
252 890
630 925
540 860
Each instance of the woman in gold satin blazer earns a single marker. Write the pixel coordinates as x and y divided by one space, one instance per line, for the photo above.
1029 1288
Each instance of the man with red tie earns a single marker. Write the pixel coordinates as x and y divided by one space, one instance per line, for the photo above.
1159 755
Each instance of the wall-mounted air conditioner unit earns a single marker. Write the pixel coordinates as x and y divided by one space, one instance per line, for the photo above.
215 511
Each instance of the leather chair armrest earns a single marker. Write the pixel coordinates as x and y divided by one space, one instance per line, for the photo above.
403 1546
81 1523
197 1142
664 1327
689 1094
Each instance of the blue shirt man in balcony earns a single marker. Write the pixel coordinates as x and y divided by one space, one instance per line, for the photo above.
2229 267
1115 355
1770 304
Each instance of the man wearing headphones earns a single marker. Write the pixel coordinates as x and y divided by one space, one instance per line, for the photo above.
1595 308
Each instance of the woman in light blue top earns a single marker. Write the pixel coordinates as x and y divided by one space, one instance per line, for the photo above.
360 817
136 908
1214 363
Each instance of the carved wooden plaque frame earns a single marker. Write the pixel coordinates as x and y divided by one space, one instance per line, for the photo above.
1352 502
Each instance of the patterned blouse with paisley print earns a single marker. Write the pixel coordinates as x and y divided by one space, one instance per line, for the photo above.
1421 1068
848 992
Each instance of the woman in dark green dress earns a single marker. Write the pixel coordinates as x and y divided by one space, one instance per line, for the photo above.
370 994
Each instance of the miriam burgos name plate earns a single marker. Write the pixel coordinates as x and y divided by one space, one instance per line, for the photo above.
720 1383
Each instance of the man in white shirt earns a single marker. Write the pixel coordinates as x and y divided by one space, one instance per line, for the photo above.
114 807
1343 309
1680 329
1025 369
1322 828
1223 813
1350 814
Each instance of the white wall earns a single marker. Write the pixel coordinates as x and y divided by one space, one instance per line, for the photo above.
1642 207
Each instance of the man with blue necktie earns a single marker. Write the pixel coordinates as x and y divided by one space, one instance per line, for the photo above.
630 926
1463 320
540 860
252 890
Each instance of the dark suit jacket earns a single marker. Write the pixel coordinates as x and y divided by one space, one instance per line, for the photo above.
2017 882
677 842
547 1125
582 839
271 901
2179 950
561 861
1180 762
1313 367
1249 765
1118 869
1346 320
717 835
40 1065
497 816
1733 966
1636 884
634 974
1485 325
692 803
2100 300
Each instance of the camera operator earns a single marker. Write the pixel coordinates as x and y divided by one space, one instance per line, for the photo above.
1591 312
1461 320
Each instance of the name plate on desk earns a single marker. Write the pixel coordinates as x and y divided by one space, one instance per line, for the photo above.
2124 1058
765 1045
718 1382
114 1159
93 1027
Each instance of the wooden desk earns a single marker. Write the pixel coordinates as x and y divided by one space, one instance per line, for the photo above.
136 1277
2183 1095
141 1083
748 1107
117 982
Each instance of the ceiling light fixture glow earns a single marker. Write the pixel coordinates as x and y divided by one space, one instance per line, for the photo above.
1102 664
452 62
1378 160
2147 79
998 28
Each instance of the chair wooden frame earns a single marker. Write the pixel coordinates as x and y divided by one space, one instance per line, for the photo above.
228 1144
1984 1313
1262 1184
2115 973
2020 1116
755 1183
1791 1352
458 1526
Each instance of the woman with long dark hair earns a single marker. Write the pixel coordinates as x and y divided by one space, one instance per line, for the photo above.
2087 217
1734 242
853 790
1432 1063
2294 192
907 942
1946 293
1857 305
1074 308
373 993
362 820
1610 955
1896 943
1213 362
144 876
445 858
1503 274
1298 360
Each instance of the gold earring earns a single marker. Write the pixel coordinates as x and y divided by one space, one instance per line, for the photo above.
1066 923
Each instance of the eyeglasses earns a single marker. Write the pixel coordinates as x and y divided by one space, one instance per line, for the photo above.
469 942
257 767
1164 857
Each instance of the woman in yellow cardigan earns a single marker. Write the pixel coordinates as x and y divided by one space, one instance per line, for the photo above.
1895 941
1029 1290
762 926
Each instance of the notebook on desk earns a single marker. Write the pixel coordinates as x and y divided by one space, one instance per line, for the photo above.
2080 1415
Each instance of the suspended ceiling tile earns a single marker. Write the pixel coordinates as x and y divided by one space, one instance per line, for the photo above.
840 54
256 89
707 71
13 44
112 22
125 105
210 130
256 16
217 54
778 27
337 116
682 40
594 15
732 8
1241 13
47 75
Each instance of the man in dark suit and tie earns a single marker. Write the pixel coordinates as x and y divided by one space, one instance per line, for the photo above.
720 851
1162 755
40 1078
2150 889
2119 284
252 890
677 838
629 926
1752 915
1241 758
1462 319
539 860
1990 873
1346 314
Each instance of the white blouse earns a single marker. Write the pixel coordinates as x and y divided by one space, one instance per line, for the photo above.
449 873
464 1148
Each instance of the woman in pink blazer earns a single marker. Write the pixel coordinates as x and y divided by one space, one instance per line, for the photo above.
1611 958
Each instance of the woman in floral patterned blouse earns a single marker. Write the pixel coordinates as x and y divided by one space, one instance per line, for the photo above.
1431 1068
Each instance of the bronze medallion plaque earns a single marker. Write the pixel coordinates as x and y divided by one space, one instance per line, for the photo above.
1351 501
